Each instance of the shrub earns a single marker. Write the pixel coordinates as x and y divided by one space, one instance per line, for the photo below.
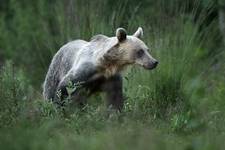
14 94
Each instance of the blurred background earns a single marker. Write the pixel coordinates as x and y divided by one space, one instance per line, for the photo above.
179 105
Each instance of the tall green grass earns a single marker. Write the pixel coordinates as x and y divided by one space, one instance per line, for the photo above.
179 105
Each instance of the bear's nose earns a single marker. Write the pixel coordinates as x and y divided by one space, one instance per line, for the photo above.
156 63
151 65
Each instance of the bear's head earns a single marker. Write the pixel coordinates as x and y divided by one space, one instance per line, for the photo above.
130 50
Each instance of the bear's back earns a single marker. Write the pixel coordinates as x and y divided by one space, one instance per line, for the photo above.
68 54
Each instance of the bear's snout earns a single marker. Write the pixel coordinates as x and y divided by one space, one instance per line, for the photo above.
151 65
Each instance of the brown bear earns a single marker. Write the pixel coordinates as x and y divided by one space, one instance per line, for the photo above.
96 66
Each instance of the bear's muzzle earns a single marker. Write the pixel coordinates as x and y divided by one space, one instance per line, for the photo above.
151 65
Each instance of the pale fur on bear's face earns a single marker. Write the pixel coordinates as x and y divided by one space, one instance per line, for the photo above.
128 50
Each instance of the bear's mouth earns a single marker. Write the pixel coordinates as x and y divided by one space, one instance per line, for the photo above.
150 66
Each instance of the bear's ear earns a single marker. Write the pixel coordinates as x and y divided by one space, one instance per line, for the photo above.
139 33
121 34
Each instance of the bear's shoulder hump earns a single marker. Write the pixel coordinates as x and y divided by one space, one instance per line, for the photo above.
99 37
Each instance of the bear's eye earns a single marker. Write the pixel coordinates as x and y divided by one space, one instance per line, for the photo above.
140 53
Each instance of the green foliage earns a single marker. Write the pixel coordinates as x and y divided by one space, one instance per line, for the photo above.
14 94
179 105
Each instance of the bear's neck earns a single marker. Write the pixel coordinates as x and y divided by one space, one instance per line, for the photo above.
109 65
109 70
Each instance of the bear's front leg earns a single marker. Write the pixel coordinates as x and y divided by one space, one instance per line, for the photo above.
79 76
113 89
